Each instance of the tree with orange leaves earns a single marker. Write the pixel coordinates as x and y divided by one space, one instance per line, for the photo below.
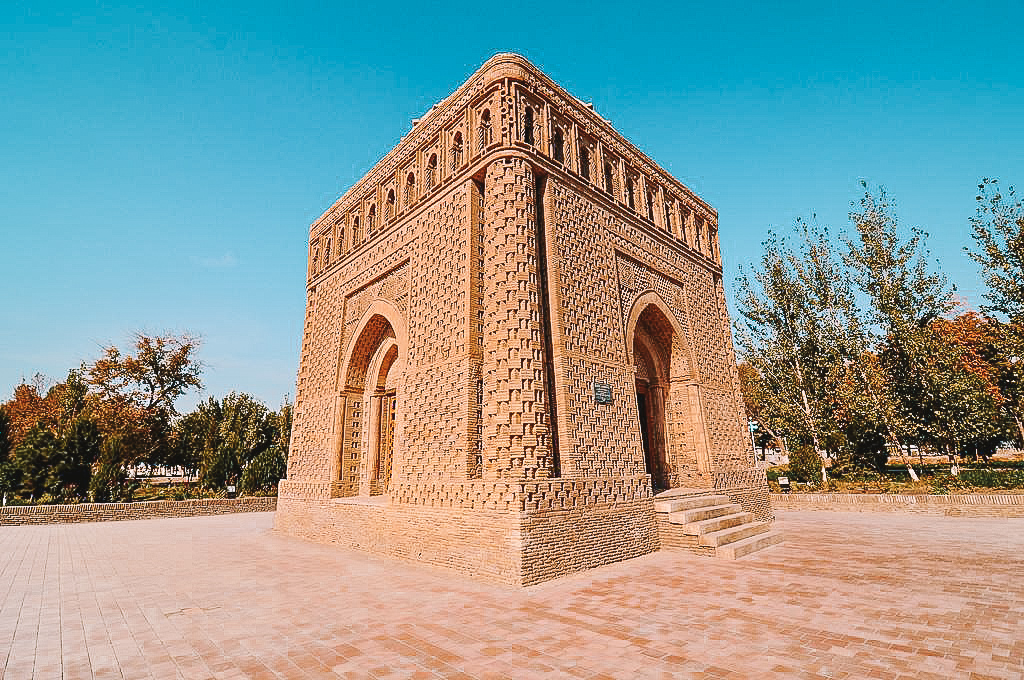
28 407
133 393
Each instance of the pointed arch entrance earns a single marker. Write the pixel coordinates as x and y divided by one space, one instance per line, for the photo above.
669 408
372 372
652 346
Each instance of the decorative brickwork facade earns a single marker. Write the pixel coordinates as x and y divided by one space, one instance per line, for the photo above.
515 336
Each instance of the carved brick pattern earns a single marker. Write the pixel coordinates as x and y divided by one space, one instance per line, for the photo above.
605 437
525 496
449 116
707 330
438 322
730 446
515 415
591 322
435 427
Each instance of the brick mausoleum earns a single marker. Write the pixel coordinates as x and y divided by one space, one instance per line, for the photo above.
516 359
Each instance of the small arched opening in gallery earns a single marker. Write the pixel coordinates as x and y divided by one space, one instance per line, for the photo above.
484 133
389 206
558 146
410 189
430 177
584 161
528 136
456 151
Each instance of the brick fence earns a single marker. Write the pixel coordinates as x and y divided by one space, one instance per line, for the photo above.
106 512
965 505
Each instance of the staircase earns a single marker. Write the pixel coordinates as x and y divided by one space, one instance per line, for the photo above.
711 525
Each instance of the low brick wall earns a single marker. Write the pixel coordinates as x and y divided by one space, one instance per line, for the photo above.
107 512
965 505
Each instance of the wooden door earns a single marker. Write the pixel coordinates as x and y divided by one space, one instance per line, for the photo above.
386 442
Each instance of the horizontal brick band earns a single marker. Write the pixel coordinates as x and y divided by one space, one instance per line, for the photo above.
966 505
108 512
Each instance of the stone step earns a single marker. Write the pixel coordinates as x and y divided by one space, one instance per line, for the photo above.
717 523
688 503
734 534
749 545
698 514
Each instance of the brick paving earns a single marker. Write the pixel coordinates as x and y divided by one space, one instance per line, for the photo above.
848 596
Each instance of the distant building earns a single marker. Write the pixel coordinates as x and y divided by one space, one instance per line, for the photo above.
515 335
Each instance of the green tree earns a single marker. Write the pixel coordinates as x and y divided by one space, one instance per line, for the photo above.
81 448
998 230
225 437
798 327
34 459
906 296
6 470
109 483
267 468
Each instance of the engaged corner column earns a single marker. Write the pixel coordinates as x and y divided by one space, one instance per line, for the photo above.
516 431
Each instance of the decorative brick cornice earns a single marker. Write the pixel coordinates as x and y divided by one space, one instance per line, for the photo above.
497 70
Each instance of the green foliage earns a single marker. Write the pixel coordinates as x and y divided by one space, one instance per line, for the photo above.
268 468
993 478
7 481
33 460
798 326
863 448
81 446
858 383
263 472
906 296
109 482
805 464
225 438
998 230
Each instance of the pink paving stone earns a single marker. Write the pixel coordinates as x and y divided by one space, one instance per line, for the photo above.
854 595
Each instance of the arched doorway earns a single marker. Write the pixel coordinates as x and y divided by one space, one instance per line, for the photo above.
371 378
652 347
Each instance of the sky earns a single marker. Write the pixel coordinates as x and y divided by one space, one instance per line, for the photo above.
160 163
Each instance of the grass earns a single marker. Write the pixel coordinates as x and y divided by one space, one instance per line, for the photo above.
935 478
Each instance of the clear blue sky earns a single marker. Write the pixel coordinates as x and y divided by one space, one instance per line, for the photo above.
160 167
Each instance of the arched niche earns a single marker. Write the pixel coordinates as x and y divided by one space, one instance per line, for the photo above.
370 383
669 411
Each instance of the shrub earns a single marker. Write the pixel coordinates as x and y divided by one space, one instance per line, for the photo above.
263 473
993 479
805 464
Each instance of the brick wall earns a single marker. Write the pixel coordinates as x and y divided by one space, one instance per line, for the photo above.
516 532
108 512
477 542
967 505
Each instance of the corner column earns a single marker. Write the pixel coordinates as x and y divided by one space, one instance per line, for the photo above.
516 416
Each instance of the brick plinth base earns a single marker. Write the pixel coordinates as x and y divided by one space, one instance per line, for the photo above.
520 533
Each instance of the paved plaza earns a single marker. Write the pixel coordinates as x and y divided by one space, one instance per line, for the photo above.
848 596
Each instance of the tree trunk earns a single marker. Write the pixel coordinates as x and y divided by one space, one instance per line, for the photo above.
893 439
812 426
